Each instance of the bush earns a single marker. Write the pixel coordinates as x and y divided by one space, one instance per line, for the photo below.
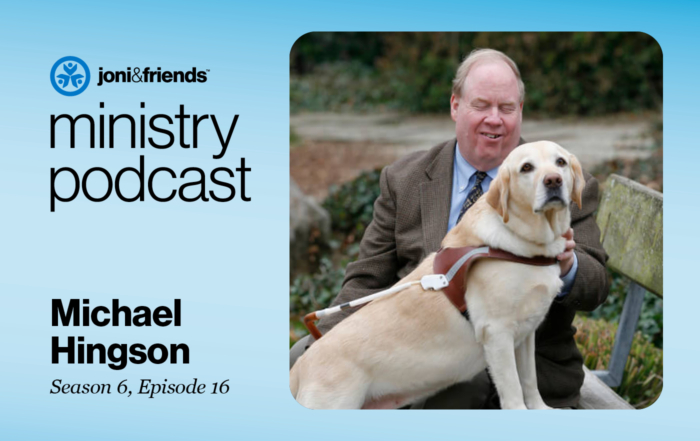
339 86
310 292
642 381
651 320
565 73
352 204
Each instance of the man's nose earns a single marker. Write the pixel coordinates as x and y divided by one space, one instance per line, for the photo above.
494 117
552 180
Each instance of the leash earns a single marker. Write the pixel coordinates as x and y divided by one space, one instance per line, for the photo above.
448 263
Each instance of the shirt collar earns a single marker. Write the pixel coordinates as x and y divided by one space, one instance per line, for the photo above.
464 170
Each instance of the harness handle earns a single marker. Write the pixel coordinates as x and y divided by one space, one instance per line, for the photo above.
309 320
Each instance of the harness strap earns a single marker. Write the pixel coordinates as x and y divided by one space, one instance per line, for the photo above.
455 263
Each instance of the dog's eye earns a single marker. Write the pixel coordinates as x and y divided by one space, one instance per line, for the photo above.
527 167
561 162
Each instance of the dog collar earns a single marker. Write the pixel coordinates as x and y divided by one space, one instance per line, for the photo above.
455 262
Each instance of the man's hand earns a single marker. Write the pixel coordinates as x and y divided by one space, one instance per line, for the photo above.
566 259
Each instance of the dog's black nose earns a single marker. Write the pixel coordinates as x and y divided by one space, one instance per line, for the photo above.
552 180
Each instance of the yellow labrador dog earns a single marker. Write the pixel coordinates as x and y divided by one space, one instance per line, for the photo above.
412 344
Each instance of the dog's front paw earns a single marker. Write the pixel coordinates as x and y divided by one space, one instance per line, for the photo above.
514 405
538 404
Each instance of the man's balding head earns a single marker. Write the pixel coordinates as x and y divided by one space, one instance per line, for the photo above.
483 55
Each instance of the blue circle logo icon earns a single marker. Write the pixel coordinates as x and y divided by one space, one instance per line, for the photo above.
70 76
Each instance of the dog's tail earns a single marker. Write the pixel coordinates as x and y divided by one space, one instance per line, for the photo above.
294 381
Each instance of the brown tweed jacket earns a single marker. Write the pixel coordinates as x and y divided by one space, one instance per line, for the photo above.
410 221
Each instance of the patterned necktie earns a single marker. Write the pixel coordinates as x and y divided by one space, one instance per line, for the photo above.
473 195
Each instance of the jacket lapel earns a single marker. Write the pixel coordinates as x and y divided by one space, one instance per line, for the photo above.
435 196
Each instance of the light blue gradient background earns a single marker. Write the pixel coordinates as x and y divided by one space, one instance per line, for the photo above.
229 262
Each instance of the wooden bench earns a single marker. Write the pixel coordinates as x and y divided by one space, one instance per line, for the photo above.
630 218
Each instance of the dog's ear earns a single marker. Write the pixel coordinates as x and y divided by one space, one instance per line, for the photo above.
579 181
497 196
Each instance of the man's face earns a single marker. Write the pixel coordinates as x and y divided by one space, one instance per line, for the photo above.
488 115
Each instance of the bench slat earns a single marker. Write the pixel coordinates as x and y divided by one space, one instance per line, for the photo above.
630 218
597 395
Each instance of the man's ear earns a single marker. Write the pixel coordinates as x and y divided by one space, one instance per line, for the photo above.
579 181
497 196
454 104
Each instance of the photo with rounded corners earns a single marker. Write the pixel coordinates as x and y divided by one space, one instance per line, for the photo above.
476 220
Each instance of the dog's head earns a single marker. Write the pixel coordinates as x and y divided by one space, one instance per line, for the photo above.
536 179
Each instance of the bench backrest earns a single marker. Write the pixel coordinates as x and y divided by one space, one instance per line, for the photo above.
630 218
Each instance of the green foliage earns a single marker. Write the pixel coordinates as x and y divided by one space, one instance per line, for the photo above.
316 48
651 320
642 380
338 86
352 204
565 73
311 292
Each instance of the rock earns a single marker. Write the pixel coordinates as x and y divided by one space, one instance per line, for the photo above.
309 230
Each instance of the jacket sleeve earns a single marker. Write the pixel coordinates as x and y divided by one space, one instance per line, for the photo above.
590 287
377 265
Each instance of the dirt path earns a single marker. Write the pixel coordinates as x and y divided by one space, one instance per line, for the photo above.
336 147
